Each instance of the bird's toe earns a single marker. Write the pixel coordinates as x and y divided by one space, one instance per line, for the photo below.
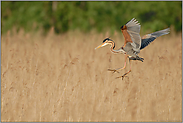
113 70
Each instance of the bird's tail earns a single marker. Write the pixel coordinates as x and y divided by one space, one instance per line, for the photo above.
137 58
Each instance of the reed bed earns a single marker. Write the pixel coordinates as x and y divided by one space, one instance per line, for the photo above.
63 78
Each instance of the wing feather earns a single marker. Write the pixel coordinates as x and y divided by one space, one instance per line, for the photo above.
147 39
131 32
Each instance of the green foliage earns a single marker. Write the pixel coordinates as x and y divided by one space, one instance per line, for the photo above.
88 15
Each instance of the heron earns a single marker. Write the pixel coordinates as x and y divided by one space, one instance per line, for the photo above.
133 43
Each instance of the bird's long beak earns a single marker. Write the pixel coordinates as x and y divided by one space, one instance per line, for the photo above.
104 44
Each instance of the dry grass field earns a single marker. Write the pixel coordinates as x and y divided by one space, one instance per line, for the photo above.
63 78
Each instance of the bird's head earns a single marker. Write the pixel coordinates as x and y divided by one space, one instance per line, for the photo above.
105 42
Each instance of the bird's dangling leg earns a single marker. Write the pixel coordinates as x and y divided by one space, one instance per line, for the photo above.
125 73
116 70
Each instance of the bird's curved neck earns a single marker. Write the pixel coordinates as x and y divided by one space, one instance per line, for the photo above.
120 50
113 46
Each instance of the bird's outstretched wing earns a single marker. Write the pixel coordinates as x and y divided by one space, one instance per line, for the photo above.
131 34
147 39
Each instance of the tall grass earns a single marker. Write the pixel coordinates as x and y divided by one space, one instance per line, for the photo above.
63 78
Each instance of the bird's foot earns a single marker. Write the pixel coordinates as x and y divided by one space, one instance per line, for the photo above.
124 75
121 76
114 70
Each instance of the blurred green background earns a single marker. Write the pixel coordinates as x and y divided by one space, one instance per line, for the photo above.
86 16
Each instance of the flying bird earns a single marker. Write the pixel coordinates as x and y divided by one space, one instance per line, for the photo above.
133 43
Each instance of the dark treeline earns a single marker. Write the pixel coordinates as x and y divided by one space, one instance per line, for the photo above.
65 16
